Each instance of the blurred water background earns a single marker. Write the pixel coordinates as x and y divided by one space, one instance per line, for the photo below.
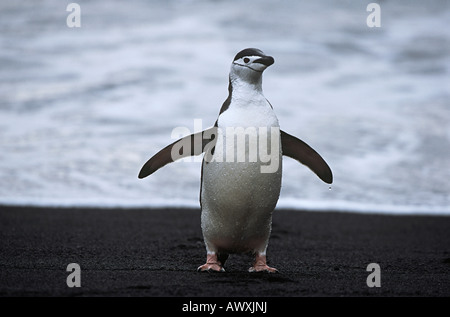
81 109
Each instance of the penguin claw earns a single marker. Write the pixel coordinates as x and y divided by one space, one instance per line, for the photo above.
262 268
212 264
210 267
260 265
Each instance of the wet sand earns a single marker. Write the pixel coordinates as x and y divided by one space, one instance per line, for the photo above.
155 252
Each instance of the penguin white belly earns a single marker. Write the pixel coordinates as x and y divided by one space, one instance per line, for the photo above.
237 198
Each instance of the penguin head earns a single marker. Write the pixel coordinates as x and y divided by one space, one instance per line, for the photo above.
249 64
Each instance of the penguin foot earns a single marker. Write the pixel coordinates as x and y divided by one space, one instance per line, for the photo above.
212 264
261 265
262 268
209 267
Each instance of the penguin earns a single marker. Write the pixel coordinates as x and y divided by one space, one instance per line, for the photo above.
240 175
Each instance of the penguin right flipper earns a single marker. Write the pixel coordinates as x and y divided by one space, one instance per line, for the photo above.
194 144
302 152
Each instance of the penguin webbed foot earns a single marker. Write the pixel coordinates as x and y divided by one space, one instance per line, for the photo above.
262 269
260 265
210 267
212 264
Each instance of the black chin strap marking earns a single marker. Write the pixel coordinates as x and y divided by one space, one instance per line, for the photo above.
259 71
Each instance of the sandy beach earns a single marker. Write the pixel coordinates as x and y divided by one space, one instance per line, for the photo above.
155 252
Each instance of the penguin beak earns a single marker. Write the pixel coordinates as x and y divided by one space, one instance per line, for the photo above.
266 60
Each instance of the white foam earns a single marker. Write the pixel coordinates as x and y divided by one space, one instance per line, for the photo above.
293 204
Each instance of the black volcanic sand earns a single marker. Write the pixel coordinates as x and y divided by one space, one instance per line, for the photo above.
156 253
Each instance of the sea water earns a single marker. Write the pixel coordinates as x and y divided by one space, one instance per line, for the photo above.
83 108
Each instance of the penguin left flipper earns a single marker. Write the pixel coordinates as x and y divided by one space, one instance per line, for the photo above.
302 152
194 144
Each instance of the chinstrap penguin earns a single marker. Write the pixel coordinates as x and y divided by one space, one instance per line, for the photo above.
237 196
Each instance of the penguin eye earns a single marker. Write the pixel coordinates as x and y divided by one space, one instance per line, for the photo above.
246 60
